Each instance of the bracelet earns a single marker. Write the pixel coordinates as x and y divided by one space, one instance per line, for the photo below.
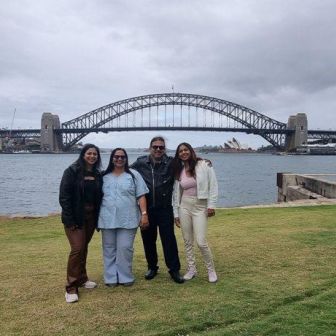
144 213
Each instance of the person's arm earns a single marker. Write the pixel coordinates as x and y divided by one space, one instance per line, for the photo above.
65 198
176 202
213 191
143 209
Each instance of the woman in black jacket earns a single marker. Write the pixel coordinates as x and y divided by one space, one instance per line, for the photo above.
80 197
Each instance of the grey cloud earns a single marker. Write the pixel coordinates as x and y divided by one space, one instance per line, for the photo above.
69 57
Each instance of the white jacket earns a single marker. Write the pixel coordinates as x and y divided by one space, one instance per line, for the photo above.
207 187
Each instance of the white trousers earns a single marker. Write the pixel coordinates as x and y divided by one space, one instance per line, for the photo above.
118 255
194 223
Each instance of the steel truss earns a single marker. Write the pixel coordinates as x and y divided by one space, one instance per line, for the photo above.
251 121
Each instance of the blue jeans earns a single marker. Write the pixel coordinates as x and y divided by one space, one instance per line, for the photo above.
118 255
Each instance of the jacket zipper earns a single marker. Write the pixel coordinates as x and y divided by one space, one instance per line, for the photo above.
153 179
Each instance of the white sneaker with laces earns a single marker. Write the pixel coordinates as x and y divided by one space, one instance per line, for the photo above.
212 276
71 298
190 275
89 284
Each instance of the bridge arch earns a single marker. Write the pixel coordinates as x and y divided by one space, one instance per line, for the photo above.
251 121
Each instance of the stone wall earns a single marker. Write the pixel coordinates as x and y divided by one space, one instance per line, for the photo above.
292 187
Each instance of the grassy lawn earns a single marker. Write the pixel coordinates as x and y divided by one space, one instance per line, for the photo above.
276 268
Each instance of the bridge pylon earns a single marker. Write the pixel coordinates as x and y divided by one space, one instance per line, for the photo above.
299 124
50 140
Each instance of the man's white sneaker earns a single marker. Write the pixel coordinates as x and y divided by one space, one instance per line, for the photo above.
71 298
89 284
212 276
189 275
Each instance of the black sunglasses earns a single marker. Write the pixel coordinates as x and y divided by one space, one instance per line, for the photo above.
159 147
119 157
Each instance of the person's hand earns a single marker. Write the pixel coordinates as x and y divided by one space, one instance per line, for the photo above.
209 163
177 222
211 212
144 223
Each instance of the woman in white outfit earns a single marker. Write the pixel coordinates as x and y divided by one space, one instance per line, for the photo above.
194 200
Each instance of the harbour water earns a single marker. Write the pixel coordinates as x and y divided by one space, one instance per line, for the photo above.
29 183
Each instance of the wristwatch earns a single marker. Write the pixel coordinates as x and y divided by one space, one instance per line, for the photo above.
144 213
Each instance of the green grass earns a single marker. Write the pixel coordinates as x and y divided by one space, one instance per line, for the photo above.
276 269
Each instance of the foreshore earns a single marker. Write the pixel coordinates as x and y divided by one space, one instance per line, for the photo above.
275 267
298 203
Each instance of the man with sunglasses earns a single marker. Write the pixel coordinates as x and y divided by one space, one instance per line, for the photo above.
155 169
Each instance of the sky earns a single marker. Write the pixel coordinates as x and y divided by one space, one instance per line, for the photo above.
68 57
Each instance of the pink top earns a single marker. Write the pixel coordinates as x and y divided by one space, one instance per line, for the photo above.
188 184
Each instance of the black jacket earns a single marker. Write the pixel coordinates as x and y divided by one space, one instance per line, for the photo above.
159 180
71 196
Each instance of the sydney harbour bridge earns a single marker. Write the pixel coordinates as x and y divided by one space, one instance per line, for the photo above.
171 112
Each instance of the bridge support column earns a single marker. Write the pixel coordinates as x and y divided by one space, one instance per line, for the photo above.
299 124
50 142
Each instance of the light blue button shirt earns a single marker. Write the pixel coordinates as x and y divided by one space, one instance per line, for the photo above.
119 207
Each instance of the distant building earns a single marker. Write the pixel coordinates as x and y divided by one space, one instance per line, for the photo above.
317 149
234 146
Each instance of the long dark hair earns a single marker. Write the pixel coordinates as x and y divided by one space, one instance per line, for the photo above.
110 166
177 164
81 162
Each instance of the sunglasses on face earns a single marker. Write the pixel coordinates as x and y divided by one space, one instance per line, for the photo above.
158 147
119 157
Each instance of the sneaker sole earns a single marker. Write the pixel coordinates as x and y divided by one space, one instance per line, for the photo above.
68 301
187 279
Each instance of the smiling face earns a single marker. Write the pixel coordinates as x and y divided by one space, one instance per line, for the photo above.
90 157
184 153
119 159
157 149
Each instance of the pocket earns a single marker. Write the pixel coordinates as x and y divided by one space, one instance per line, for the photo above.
201 204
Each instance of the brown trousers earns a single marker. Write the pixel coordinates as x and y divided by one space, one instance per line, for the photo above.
79 240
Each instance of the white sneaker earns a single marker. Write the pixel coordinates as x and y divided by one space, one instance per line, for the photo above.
89 284
189 275
71 298
212 276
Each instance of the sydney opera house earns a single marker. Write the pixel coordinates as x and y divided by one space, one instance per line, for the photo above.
234 146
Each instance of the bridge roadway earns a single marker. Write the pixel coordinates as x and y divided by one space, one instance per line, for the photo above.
33 133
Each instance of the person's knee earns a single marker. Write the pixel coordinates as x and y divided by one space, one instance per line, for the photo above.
108 245
202 244
188 241
77 249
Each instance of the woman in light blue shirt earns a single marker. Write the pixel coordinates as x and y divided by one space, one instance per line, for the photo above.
123 209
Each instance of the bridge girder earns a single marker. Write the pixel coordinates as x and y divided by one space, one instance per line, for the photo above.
249 119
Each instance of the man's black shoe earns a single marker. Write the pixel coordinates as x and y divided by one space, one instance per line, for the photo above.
151 274
176 276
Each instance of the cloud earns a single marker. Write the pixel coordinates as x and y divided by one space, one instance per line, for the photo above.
70 57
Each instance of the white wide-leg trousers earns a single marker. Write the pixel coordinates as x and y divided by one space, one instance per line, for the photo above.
194 223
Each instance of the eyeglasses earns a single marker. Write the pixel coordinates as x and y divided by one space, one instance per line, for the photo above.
119 157
159 147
